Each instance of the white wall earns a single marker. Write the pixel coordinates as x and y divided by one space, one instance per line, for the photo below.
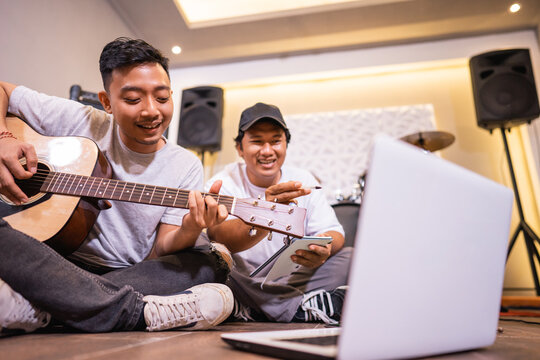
53 44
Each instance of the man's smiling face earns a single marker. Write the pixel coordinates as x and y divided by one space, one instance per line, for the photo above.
263 148
139 97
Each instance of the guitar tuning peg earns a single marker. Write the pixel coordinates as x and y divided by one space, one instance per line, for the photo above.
273 207
252 231
270 236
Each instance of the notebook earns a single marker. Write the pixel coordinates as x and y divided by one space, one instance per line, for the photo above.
427 270
282 264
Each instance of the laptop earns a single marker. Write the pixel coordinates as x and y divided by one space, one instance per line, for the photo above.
427 270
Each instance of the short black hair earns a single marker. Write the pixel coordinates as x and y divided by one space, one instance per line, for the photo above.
240 136
124 51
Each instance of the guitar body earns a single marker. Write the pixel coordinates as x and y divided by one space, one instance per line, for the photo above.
61 221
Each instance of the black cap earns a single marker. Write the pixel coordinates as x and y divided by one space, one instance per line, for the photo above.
258 112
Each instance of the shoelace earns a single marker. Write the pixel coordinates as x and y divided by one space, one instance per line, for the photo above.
169 313
241 312
314 306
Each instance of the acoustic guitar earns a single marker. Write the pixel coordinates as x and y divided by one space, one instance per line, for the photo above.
73 182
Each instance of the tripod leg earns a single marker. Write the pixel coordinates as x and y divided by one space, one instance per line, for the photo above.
530 231
532 252
531 245
513 240
528 234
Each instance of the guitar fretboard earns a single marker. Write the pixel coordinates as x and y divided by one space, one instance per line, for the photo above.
110 189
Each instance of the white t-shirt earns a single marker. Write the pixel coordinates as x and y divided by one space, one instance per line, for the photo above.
124 234
320 217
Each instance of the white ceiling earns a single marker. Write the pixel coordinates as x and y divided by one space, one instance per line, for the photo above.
360 24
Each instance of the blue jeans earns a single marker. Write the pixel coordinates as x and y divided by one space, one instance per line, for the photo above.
112 301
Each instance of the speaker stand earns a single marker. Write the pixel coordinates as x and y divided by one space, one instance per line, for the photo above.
528 234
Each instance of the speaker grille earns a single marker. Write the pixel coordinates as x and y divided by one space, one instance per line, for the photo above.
507 96
202 129
200 118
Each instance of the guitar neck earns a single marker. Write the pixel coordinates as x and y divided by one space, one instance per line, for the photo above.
110 189
277 217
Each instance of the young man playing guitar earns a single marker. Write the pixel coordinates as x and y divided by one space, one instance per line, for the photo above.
313 292
139 266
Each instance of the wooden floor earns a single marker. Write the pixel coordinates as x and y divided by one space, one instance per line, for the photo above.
518 340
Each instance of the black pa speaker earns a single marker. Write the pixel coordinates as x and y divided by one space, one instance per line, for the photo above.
504 88
200 118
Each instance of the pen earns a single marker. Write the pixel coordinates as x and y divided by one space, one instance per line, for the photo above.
315 187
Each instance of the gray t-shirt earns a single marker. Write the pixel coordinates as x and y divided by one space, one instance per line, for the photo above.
124 234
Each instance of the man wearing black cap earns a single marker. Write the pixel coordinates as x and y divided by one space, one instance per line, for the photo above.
316 290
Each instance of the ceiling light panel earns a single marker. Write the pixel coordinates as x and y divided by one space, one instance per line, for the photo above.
205 13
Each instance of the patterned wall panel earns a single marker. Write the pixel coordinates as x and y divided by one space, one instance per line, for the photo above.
334 146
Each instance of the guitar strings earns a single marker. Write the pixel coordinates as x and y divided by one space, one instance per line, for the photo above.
63 180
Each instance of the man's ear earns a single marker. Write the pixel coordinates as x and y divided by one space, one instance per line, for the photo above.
239 149
105 101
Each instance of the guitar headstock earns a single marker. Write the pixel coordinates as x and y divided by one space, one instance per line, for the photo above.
281 218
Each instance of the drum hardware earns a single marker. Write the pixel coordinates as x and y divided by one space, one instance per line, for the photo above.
338 195
430 140
426 140
357 191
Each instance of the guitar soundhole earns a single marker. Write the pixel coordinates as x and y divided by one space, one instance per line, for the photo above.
31 187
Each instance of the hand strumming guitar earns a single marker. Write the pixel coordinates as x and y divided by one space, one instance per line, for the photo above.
11 150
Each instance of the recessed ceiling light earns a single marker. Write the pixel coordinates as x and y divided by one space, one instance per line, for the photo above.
176 49
514 8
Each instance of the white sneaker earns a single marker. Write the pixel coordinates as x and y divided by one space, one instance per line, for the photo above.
198 308
17 314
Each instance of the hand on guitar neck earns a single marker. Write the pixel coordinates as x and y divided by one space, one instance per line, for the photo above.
204 211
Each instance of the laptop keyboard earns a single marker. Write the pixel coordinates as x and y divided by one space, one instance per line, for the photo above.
316 340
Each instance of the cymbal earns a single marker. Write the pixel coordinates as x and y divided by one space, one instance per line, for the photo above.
430 140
